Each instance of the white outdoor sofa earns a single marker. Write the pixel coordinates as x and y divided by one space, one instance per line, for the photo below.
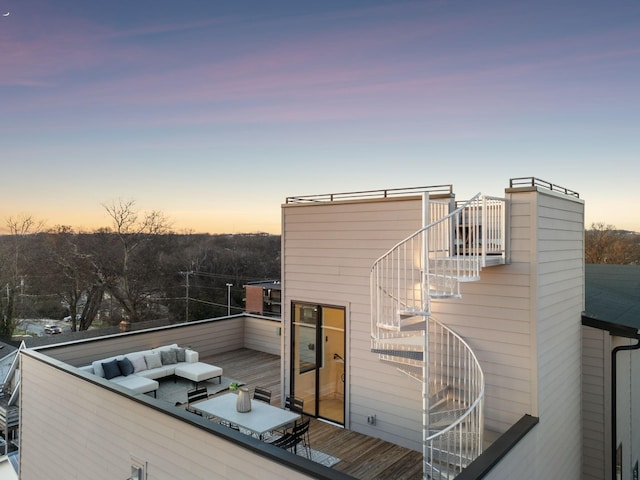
139 371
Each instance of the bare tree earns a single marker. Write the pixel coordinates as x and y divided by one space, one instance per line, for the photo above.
130 284
605 244
19 227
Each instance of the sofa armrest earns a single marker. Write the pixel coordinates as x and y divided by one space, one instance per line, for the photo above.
191 356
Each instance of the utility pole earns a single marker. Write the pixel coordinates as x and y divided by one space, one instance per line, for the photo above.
186 295
229 285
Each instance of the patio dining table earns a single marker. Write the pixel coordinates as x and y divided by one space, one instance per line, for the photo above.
261 419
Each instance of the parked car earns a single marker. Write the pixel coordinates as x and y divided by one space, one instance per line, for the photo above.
52 329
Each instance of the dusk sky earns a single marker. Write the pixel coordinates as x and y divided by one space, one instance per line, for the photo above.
214 112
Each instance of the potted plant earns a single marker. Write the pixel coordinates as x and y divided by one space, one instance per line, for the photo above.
233 386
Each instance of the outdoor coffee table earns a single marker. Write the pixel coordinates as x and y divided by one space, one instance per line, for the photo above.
261 419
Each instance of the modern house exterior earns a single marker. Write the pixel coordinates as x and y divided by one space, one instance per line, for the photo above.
610 371
518 320
448 327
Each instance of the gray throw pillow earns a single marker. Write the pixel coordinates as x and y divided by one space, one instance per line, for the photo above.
168 357
138 363
111 369
153 360
179 354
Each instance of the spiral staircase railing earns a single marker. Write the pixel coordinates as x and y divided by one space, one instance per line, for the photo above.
431 263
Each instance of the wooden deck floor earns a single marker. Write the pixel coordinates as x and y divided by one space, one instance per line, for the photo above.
360 456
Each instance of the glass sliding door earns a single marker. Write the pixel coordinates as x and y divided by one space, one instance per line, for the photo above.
318 359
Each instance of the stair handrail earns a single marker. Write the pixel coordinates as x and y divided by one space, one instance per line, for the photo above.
440 268
431 262
473 414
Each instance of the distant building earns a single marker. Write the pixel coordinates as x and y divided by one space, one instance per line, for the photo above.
263 298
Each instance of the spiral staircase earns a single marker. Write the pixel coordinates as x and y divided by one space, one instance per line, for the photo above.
453 247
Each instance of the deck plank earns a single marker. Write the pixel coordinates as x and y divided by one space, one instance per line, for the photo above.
361 456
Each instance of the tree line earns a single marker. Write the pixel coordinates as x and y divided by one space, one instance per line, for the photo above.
136 269
606 244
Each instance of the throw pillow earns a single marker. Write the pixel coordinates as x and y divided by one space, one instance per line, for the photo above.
125 366
97 368
111 369
168 357
138 363
153 360
179 354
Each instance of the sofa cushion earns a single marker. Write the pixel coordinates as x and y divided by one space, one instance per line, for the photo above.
191 356
137 383
126 367
153 360
161 372
168 357
179 354
138 363
111 369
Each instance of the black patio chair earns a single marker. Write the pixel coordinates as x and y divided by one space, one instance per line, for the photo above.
298 435
196 395
262 394
294 404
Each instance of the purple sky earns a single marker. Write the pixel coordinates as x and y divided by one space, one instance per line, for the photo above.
214 112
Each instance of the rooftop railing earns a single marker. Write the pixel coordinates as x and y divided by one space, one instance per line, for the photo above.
372 194
536 182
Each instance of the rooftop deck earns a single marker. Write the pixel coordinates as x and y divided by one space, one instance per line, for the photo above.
360 456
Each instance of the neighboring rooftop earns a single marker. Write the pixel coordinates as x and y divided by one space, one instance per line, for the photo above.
612 294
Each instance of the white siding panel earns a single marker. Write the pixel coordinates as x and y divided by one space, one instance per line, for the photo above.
522 319
559 303
328 251
105 429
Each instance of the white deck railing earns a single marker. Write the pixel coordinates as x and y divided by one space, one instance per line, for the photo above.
454 396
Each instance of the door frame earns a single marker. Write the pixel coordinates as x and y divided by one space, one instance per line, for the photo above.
319 340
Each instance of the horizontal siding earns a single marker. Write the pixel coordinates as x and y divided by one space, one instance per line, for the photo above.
328 251
104 430
263 335
559 302
594 388
520 319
